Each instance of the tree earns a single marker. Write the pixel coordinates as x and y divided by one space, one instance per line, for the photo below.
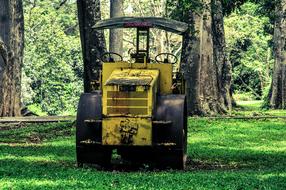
93 42
205 67
161 40
249 50
277 94
12 45
116 35
52 74
222 63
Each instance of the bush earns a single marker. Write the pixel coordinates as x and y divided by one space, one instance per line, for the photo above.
244 96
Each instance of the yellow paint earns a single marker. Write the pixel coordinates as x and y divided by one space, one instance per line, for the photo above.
165 77
129 95
127 131
138 103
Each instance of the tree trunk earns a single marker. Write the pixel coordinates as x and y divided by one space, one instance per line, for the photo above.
190 64
116 35
93 42
224 68
11 49
203 65
277 95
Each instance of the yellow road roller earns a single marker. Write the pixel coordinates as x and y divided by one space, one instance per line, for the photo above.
139 109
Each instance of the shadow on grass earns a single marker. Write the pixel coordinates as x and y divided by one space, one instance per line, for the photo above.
201 156
204 157
53 166
56 174
35 133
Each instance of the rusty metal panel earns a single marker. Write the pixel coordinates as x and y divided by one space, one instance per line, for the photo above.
126 102
127 131
116 103
127 111
117 94
120 99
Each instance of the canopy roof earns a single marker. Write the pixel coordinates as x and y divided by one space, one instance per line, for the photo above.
143 22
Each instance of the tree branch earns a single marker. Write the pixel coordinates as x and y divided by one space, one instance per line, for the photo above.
248 87
61 4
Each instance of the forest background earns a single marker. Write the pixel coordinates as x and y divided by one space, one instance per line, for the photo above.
52 77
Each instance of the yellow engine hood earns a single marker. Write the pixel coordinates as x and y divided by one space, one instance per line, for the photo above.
132 77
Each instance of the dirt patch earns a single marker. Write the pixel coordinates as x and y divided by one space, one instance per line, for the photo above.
11 126
202 165
34 133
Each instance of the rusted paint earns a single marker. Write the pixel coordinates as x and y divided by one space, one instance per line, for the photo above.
127 131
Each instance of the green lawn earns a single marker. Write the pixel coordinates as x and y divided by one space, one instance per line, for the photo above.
253 108
224 154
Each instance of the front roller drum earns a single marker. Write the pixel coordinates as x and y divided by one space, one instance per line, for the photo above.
170 142
93 154
172 108
88 147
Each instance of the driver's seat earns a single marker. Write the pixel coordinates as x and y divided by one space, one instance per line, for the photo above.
139 57
111 60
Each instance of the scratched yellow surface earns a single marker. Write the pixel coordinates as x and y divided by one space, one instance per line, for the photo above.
127 131
127 114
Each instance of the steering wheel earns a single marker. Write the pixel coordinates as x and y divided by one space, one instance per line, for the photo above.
166 59
108 57
131 51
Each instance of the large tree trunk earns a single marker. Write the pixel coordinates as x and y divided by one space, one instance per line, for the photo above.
12 45
277 95
116 35
224 68
93 42
203 65
190 64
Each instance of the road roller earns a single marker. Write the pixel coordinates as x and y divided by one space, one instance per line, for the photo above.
138 107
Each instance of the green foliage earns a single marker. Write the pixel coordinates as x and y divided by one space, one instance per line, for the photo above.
36 108
225 154
229 5
267 8
180 9
52 61
243 96
249 49
52 77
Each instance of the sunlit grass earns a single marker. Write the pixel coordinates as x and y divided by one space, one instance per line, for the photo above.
224 154
254 108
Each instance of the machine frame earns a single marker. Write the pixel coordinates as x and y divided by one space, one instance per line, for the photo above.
136 110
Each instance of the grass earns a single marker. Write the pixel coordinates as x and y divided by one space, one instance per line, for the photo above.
224 154
253 108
